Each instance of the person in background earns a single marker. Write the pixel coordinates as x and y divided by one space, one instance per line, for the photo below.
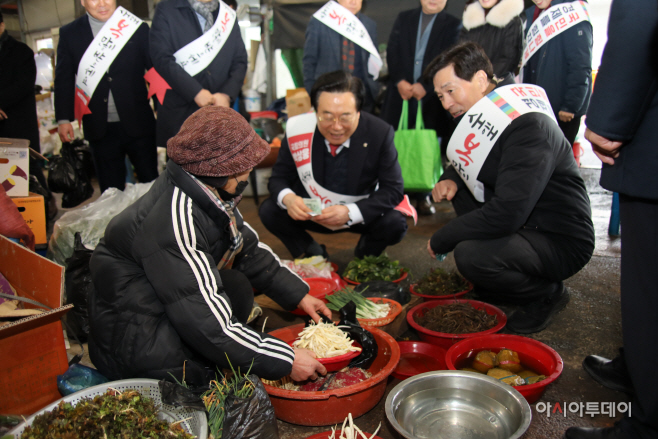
496 26
509 239
121 121
345 160
562 67
179 33
175 272
325 50
418 36
621 125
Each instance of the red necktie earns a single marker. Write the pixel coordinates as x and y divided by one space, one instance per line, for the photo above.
333 149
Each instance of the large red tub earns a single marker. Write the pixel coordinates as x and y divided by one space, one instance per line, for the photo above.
332 406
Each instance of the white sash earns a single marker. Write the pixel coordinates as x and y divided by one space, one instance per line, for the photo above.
299 131
102 52
348 25
483 124
197 55
552 23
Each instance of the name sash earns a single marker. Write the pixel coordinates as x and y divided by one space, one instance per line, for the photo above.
341 20
552 23
197 55
299 131
483 124
100 55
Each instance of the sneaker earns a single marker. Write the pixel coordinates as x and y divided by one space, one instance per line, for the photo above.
537 315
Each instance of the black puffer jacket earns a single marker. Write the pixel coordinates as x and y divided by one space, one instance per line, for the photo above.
159 298
500 33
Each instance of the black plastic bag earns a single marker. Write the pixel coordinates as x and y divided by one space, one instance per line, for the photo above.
251 417
179 396
384 289
62 176
79 155
78 286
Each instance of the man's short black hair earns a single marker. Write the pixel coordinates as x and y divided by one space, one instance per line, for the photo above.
338 82
466 58
1 19
232 3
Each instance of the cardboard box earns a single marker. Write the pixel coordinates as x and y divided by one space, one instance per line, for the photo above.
15 166
33 350
33 210
297 102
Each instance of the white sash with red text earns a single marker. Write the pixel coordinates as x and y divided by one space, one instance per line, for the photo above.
197 55
299 131
100 55
341 20
483 124
551 23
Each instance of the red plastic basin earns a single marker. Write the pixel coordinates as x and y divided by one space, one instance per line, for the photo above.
396 281
532 353
428 297
446 340
320 287
419 357
338 362
332 406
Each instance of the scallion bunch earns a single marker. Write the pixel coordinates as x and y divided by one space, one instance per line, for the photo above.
365 309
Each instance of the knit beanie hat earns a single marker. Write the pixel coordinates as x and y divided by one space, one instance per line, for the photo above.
216 142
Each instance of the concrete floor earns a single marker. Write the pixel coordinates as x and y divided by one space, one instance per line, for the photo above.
591 323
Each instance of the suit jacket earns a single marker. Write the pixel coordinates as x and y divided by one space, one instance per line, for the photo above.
400 55
125 78
373 161
322 53
625 101
18 73
175 24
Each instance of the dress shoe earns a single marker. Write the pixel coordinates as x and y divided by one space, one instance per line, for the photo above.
425 207
315 249
536 316
612 374
614 432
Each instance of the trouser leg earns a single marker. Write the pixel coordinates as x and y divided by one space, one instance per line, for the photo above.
386 230
639 306
109 158
292 233
239 291
570 129
143 155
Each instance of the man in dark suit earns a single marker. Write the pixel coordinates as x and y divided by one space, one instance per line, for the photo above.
121 121
177 23
348 162
323 53
418 36
621 126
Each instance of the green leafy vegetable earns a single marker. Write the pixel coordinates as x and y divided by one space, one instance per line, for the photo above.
373 268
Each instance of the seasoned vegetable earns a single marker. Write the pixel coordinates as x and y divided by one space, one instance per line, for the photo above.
326 340
373 268
439 282
365 309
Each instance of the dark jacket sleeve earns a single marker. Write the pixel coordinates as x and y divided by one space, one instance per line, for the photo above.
23 82
627 81
577 44
191 293
162 52
393 55
266 273
284 171
239 61
311 52
525 168
511 49
65 72
391 186
449 37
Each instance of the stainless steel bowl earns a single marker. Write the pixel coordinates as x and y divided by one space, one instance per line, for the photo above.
453 404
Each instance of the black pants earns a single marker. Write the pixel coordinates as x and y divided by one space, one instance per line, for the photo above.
570 129
110 155
239 291
639 307
519 268
386 230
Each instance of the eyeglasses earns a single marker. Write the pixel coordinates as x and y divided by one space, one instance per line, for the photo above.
345 119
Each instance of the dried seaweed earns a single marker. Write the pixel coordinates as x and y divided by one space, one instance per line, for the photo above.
439 282
456 318
111 415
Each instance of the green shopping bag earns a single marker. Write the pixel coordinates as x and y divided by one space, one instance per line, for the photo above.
419 153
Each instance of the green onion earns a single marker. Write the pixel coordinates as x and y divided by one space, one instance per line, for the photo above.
365 309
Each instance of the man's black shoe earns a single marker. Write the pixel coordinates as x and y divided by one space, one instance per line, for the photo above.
425 207
315 249
612 374
596 433
536 316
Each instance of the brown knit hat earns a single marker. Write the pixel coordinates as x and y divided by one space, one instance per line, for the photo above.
216 142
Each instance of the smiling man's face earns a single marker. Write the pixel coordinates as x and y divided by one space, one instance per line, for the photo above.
458 95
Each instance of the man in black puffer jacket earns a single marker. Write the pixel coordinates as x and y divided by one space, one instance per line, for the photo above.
174 272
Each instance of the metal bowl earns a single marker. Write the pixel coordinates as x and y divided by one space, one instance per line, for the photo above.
457 404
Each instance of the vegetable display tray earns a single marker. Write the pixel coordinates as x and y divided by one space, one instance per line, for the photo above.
197 425
395 310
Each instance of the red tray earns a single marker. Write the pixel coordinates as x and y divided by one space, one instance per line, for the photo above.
320 286
419 357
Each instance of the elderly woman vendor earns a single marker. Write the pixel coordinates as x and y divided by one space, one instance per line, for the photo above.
175 271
